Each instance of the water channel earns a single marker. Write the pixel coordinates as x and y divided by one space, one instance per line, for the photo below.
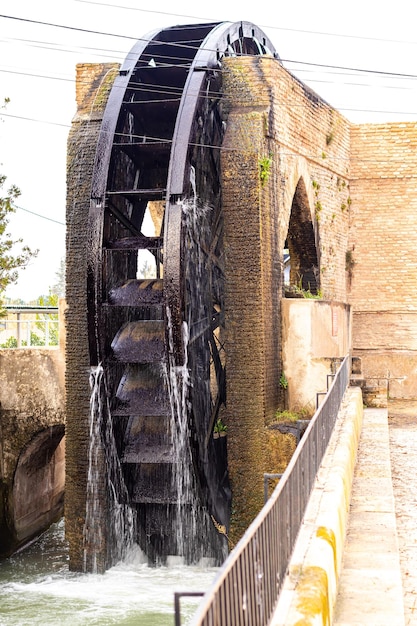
37 588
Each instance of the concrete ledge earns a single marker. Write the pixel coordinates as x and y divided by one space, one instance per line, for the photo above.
309 592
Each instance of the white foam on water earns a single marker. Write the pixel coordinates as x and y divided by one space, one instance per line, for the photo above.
131 592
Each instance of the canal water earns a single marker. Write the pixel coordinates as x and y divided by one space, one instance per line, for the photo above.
36 588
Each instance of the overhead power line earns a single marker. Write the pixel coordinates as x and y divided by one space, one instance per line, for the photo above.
44 217
33 119
187 45
281 28
66 27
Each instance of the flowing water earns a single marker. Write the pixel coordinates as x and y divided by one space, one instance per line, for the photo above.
121 519
36 588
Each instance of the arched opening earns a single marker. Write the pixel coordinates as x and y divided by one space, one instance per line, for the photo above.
39 482
301 264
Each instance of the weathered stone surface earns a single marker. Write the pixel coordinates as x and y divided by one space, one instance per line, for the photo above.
93 84
32 418
293 169
306 150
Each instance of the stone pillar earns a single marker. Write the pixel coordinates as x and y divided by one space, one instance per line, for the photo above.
92 90
253 275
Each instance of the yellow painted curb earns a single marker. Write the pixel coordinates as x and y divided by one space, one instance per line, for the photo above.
309 592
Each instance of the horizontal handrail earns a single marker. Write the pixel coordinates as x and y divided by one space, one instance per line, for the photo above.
29 327
246 589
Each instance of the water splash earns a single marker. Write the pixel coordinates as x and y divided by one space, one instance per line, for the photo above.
178 382
109 528
190 387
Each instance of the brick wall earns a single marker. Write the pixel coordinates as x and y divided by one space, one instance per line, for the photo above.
383 238
356 192
272 115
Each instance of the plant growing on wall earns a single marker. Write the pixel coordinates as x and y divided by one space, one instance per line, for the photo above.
265 168
219 427
283 382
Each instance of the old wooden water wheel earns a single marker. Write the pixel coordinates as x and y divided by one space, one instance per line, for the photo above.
156 280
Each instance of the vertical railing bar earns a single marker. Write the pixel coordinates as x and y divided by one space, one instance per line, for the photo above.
250 582
239 594
243 583
267 564
262 549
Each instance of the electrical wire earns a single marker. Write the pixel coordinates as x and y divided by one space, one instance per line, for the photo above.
33 119
169 90
44 217
280 28
196 47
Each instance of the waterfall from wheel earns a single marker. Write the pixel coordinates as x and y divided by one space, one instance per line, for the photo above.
194 531
156 475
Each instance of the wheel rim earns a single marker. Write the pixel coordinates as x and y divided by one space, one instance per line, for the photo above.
159 145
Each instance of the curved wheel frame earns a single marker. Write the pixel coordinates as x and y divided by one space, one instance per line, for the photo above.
166 153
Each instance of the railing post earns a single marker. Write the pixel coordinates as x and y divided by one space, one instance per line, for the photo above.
260 570
19 334
177 597
47 322
267 477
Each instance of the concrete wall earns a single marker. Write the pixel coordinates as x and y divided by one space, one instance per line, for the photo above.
316 334
32 418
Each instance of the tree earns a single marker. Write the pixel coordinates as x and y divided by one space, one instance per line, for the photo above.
58 288
10 262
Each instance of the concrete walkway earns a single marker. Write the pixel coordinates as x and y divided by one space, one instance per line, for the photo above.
370 587
345 568
402 419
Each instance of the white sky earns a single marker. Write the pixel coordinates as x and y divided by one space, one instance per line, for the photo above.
37 69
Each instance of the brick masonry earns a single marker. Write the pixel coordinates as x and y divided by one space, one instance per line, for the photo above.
383 240
93 83
272 115
353 190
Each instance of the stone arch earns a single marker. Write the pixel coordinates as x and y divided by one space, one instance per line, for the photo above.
301 238
39 482
301 243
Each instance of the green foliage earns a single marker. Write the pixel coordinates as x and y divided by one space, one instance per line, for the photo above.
303 413
318 209
58 288
265 168
219 427
42 320
283 382
35 340
299 291
10 261
286 416
10 343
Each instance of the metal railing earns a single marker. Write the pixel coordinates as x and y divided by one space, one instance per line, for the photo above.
247 588
29 327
